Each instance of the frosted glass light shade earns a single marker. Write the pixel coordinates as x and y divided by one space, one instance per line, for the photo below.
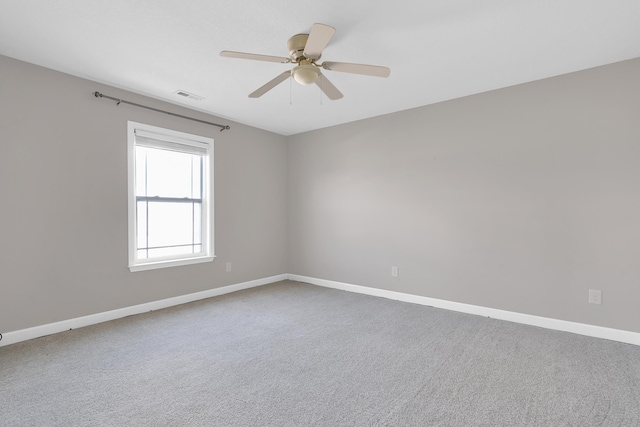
306 74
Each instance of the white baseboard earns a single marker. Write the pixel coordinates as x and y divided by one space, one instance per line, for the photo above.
527 319
92 319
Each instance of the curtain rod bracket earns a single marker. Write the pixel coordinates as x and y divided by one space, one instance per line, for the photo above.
99 95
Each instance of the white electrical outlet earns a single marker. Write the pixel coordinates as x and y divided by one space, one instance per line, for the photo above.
228 267
595 296
394 271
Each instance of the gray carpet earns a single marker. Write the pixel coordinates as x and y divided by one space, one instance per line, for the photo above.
292 354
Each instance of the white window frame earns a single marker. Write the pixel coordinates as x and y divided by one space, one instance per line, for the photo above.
171 137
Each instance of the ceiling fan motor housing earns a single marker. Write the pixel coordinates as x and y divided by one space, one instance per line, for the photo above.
296 46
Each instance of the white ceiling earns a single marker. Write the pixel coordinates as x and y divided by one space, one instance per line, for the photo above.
436 49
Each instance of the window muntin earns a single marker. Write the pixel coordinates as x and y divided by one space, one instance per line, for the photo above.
169 206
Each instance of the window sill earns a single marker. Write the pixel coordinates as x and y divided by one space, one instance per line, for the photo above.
169 263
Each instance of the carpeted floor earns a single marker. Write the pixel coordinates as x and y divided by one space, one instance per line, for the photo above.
292 354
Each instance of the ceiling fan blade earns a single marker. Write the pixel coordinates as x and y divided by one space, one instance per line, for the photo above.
367 70
254 56
319 37
328 88
270 85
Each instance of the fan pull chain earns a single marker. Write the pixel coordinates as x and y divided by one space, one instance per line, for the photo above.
321 88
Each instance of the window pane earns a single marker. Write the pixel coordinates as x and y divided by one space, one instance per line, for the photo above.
170 224
141 171
196 176
170 174
178 250
141 226
162 252
197 223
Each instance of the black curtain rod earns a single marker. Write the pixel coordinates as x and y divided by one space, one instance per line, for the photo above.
99 95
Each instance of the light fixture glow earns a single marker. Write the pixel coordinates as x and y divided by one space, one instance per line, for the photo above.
306 74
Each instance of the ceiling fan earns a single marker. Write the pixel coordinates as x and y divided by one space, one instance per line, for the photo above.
304 51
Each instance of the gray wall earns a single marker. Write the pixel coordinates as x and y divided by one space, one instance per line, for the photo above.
519 199
63 189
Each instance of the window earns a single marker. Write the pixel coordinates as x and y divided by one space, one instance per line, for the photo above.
169 198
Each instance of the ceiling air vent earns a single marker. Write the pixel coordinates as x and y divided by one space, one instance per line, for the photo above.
189 95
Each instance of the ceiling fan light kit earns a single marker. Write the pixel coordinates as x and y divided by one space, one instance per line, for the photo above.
304 51
305 74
